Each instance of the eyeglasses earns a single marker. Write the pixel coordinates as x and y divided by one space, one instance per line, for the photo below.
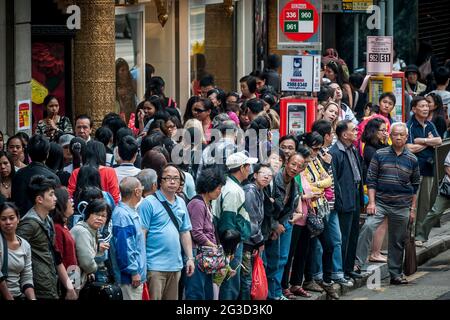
174 179
198 110
100 216
287 148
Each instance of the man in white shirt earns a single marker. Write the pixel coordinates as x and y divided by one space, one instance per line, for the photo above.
128 150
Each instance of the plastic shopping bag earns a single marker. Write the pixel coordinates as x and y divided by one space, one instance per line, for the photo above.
259 288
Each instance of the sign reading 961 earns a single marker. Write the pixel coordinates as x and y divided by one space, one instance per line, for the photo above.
299 24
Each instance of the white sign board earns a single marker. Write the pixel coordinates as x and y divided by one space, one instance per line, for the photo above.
379 55
301 73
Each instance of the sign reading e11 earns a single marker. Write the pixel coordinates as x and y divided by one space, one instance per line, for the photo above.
299 24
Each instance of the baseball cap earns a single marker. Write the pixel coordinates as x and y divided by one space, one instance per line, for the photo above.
239 159
65 139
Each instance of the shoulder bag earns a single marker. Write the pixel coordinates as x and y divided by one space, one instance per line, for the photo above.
444 188
410 264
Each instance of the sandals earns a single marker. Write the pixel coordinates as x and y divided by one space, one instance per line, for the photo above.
299 291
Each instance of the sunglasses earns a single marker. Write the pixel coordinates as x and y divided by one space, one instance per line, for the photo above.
199 110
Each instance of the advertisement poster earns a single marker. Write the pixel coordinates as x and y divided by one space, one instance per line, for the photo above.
398 92
296 119
23 115
379 55
49 76
300 73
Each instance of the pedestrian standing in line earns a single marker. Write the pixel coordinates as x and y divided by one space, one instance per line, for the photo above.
392 180
423 138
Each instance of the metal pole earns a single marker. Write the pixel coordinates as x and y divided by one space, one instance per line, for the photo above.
382 30
356 41
390 18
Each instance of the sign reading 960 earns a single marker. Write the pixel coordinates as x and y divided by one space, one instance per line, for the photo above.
299 20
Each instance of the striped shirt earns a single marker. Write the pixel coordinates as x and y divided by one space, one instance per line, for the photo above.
395 178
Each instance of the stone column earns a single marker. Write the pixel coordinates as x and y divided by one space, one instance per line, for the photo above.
94 60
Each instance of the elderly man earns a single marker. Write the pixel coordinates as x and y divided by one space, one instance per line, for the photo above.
129 240
423 138
148 179
166 224
392 180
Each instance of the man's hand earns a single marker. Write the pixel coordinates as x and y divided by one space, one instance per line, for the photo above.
412 215
136 280
326 157
71 294
190 267
273 235
103 246
371 209
280 229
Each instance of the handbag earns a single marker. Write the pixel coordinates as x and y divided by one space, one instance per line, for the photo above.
260 288
314 223
210 260
100 291
410 263
444 188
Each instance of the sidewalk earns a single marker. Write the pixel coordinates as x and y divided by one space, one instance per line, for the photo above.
439 241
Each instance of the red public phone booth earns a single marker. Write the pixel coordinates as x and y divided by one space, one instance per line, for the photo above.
297 115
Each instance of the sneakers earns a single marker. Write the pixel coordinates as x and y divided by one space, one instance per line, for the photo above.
419 243
344 282
312 286
282 297
331 292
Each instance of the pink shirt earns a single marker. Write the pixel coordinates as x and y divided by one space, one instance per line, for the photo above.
306 189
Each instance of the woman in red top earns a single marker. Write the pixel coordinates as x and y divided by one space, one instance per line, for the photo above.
64 242
95 156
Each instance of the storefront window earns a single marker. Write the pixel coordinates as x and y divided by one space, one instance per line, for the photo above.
211 44
130 75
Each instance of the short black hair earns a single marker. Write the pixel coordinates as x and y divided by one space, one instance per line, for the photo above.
304 152
96 205
254 105
441 75
39 185
38 148
273 61
209 179
48 99
289 137
55 160
251 84
84 117
323 127
128 148
207 80
341 127
167 166
389 95
311 139
416 100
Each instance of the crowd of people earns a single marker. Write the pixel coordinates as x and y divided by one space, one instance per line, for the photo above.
148 196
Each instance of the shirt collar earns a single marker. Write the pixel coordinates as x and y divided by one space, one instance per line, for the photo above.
234 179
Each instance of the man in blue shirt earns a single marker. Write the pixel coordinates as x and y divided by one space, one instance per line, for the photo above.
129 242
163 237
423 137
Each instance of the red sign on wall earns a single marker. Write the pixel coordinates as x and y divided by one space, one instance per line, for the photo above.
299 20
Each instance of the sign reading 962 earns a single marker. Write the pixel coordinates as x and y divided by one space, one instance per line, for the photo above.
299 20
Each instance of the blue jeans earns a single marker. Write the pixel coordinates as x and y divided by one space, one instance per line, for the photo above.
199 286
325 250
276 258
229 290
271 258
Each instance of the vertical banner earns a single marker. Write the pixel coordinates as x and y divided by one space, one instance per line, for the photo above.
23 115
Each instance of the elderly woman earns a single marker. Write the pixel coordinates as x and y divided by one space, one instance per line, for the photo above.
16 279
209 185
53 125
85 235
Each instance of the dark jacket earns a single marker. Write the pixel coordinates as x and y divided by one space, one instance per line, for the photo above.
254 204
346 191
19 191
285 211
270 213
44 257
